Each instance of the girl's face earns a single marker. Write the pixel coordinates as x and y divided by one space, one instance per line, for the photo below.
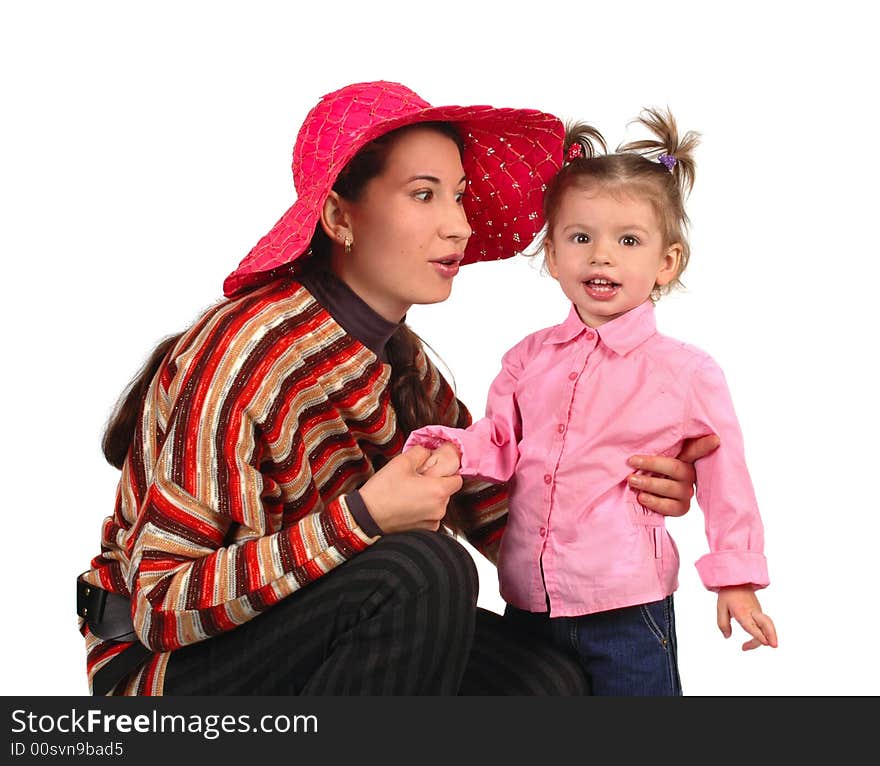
409 229
607 253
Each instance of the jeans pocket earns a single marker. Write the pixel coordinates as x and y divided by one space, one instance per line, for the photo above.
657 616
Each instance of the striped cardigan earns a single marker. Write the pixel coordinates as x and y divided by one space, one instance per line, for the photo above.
233 494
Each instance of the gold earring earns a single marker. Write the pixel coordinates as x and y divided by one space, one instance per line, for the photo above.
348 244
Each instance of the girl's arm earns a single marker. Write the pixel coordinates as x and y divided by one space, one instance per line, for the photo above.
734 529
489 448
479 509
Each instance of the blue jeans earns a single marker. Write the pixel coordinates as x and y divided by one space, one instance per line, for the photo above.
628 652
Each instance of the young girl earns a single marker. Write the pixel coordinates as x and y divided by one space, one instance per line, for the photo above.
581 560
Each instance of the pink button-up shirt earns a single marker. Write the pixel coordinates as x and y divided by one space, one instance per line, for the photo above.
568 408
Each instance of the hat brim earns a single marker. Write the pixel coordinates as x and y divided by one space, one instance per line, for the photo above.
509 156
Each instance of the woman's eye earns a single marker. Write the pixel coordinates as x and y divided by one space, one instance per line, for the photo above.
459 197
629 240
424 195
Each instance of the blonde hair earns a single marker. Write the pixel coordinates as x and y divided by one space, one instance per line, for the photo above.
635 168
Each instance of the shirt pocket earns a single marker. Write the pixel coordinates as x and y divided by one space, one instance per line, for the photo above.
652 524
641 516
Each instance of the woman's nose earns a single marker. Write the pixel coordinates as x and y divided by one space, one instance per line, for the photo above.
455 223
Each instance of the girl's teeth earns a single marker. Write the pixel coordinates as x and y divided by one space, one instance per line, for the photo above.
600 284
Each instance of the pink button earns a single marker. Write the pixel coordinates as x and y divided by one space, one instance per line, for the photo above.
547 478
542 531
560 428
572 376
591 335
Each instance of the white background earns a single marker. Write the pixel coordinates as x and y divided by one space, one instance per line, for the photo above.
146 147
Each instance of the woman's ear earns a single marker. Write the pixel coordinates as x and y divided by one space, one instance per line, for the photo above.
669 265
336 219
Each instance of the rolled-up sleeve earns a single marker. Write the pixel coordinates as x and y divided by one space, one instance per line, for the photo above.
725 493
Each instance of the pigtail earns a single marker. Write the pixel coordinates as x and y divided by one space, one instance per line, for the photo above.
412 403
667 145
582 140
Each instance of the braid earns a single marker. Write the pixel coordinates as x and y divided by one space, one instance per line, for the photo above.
121 425
412 403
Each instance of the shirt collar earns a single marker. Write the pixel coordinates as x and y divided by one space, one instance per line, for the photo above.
621 335
348 309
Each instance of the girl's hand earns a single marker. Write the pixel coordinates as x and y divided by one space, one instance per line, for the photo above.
399 498
444 461
741 603
670 491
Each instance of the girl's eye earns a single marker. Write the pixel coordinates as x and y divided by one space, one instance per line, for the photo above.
424 195
581 239
629 240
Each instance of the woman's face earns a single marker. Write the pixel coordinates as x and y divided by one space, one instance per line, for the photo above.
409 229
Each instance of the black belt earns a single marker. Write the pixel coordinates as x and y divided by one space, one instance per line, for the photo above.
108 616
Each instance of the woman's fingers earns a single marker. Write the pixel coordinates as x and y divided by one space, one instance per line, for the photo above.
668 467
399 498
694 449
666 484
663 505
661 487
449 484
671 498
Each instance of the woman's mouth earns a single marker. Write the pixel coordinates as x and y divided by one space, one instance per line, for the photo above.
601 289
447 267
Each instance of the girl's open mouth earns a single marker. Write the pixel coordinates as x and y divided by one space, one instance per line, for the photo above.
601 289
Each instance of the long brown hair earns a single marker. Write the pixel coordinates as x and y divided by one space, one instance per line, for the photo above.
122 424
412 403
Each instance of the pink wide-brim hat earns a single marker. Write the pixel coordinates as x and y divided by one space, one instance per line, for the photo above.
509 156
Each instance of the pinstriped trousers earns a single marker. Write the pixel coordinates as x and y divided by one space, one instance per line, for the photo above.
400 618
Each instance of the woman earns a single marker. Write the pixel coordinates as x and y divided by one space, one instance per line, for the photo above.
269 537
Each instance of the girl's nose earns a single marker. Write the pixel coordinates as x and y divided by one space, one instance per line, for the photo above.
600 256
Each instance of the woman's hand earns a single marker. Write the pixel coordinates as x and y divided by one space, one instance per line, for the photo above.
666 484
399 498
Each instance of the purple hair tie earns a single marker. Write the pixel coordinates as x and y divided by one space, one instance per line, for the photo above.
668 161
